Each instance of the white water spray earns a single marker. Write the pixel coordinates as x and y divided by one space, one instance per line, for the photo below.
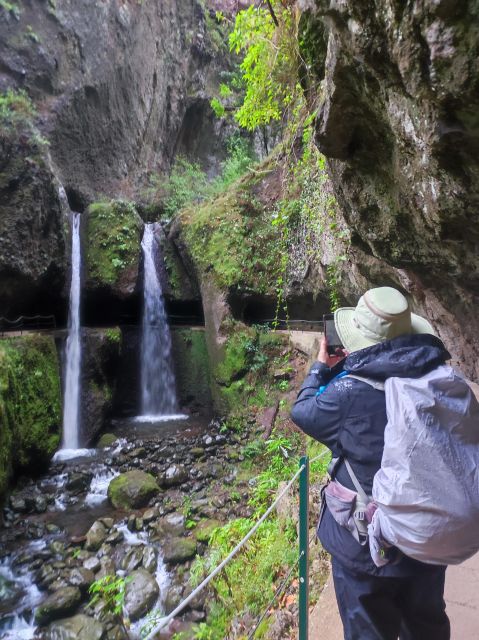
71 398
157 378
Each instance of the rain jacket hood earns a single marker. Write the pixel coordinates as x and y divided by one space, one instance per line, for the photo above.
409 356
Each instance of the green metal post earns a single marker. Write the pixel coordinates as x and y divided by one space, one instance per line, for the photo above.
304 550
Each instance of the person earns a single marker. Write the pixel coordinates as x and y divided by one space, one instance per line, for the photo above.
381 339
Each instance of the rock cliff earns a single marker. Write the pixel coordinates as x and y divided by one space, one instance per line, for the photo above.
399 123
118 89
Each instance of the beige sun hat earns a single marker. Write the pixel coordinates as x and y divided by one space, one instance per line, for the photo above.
380 314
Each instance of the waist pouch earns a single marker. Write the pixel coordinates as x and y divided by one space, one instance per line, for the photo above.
348 509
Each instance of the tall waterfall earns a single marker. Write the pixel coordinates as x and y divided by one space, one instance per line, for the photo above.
158 394
71 398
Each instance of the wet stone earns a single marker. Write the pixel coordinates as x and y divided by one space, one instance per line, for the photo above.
133 559
150 514
115 537
61 603
79 627
17 503
150 559
92 564
174 475
95 536
107 522
52 528
81 578
141 593
79 482
178 550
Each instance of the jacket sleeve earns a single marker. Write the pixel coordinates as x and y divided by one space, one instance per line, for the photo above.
318 416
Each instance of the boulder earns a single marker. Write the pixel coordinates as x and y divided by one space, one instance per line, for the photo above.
150 559
179 550
96 536
79 482
61 603
132 559
81 578
106 440
174 475
204 530
141 593
79 627
132 490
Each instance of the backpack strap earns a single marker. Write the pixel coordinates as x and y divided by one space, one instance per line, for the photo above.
357 485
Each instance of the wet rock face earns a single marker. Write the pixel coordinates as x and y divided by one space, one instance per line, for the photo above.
33 256
399 124
113 79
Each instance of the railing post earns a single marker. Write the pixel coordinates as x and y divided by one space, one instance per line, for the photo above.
304 550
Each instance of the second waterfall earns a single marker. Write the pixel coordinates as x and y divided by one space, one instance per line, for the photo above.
158 392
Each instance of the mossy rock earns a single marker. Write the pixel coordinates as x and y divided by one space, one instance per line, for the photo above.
132 490
192 367
232 238
204 530
113 246
106 440
178 550
30 404
59 604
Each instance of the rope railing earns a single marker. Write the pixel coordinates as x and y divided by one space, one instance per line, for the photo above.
303 558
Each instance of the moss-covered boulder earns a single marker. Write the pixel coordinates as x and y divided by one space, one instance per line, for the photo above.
177 550
204 530
132 490
112 238
59 604
106 440
30 404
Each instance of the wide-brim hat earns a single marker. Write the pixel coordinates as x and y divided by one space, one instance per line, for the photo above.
381 314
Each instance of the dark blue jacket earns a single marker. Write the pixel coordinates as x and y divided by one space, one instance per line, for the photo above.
349 417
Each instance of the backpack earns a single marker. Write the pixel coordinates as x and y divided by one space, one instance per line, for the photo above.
426 492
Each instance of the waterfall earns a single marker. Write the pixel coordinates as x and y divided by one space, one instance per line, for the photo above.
71 398
158 393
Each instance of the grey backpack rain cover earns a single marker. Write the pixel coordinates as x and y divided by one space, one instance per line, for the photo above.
427 489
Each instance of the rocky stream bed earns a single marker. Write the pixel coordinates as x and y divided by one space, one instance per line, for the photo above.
141 507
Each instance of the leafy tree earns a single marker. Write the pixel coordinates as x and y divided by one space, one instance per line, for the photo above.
267 39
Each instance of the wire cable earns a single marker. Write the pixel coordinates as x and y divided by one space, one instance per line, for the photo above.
277 593
165 621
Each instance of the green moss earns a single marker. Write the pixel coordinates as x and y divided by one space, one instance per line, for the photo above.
244 375
113 335
30 404
132 490
233 238
192 366
113 244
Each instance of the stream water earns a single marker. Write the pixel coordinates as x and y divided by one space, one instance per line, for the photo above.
42 544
